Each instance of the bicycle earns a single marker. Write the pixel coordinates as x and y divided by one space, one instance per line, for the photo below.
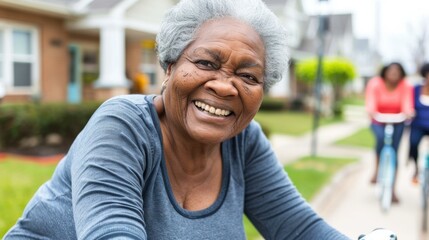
379 234
425 189
388 158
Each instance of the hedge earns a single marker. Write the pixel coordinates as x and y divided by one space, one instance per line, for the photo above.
20 121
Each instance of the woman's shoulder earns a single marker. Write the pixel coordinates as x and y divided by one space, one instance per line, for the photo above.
127 104
132 110
133 99
375 82
405 84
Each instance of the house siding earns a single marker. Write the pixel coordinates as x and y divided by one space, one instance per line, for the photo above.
53 54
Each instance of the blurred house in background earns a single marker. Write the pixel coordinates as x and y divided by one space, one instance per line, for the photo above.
77 50
83 50
303 38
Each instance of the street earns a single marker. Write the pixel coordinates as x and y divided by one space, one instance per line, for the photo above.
350 203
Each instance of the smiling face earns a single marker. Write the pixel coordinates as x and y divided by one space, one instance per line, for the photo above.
215 88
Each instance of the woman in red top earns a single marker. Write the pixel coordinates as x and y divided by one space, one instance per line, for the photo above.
388 93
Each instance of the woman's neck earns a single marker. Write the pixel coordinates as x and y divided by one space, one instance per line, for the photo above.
425 88
194 170
391 86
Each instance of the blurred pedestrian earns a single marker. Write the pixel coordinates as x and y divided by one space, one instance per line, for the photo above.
420 122
388 93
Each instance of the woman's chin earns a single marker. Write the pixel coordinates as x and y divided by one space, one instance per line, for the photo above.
214 136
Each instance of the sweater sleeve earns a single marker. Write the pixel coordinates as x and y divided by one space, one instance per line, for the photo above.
370 93
106 174
408 102
272 202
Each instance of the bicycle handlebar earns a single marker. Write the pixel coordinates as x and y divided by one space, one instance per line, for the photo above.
390 117
379 234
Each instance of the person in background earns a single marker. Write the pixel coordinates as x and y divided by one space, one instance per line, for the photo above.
420 123
388 93
190 162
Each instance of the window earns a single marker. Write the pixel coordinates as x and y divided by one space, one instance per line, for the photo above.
148 65
18 58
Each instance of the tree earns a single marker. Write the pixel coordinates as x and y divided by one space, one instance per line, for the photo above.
336 71
419 37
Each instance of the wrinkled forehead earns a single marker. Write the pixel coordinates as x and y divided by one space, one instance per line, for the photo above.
232 30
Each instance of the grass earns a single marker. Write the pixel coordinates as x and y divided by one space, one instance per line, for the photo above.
309 174
290 123
362 138
19 180
358 100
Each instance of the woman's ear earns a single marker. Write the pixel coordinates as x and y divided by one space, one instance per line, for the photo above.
167 77
168 71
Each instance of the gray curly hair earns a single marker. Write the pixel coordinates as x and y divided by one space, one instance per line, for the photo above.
183 20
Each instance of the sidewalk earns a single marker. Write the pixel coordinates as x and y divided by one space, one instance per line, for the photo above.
349 203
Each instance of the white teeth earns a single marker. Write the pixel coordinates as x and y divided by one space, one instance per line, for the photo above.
212 110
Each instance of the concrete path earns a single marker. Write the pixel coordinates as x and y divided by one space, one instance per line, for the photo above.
349 202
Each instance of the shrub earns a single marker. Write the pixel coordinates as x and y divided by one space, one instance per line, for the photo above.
18 122
336 71
273 104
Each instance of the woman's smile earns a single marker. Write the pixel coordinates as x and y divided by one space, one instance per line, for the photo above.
212 110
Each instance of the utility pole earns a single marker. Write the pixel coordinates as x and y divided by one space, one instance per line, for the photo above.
323 28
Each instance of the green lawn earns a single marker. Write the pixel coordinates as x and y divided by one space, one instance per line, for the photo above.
18 182
309 174
362 138
290 123
358 100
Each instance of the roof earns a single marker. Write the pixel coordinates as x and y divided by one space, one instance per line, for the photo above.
102 4
90 5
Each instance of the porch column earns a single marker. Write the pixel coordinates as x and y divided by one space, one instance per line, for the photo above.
112 80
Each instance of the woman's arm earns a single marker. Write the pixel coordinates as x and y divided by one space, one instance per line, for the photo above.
408 101
107 175
370 96
272 202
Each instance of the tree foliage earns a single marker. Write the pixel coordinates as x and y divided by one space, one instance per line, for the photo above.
337 71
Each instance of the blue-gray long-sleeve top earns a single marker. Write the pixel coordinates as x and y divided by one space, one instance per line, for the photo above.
113 184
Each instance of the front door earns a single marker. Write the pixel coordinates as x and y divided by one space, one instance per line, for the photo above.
74 86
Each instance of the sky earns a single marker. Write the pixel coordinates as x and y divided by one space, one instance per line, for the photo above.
398 23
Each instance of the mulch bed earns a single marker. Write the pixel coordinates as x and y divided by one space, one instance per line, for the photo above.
39 154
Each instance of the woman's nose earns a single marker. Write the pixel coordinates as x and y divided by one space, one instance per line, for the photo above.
223 86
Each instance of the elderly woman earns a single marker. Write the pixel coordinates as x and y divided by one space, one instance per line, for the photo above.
189 163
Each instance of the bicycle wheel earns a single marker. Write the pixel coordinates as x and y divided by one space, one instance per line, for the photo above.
425 193
386 176
387 191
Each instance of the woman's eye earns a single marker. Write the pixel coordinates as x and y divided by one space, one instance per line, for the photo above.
205 64
249 78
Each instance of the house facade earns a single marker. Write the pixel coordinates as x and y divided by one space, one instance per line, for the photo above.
78 50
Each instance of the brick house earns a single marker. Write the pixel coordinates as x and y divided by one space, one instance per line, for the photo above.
77 50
